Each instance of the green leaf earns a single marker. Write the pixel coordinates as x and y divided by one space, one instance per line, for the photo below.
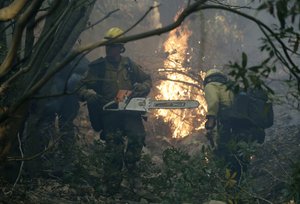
244 60
282 12
254 68
227 173
233 175
296 45
293 13
246 82
230 201
236 89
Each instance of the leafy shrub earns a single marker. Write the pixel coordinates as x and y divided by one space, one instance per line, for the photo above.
195 178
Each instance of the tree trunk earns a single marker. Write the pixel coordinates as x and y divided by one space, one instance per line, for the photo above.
60 32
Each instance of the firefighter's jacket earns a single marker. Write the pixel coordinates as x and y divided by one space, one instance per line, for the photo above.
217 98
106 80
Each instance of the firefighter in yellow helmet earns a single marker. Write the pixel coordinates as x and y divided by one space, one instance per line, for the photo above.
112 33
218 99
217 96
224 125
105 78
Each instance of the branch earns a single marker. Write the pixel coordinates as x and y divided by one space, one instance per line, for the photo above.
12 10
48 13
183 82
255 196
185 13
76 52
293 69
35 155
176 112
144 16
21 166
102 19
192 76
35 55
20 25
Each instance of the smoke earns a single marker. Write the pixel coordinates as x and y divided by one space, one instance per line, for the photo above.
155 17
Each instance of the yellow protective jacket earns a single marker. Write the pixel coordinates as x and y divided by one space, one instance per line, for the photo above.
217 98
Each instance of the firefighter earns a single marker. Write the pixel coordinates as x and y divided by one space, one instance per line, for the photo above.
219 125
217 96
41 128
106 76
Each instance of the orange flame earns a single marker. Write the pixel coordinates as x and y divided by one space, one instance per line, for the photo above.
180 86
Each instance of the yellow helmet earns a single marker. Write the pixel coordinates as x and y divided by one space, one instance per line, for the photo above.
214 75
211 72
113 32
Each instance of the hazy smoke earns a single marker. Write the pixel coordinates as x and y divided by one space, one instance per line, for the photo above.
156 16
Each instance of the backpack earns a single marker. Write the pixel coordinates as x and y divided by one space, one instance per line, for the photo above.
251 108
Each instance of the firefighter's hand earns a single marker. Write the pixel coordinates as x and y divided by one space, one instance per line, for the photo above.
210 137
140 90
210 123
91 96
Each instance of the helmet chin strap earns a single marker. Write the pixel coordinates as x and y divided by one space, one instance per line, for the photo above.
122 49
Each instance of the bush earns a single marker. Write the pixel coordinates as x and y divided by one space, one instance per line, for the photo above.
195 178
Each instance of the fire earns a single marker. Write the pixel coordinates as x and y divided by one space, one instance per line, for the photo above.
178 85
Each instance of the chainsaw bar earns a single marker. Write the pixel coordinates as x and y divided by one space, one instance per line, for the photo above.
144 104
173 104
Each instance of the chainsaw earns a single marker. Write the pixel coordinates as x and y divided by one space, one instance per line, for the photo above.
123 102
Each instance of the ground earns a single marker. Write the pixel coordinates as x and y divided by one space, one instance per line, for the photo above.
270 168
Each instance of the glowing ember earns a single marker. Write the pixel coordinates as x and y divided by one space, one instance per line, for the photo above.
179 85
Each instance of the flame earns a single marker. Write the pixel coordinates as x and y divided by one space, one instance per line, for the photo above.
180 86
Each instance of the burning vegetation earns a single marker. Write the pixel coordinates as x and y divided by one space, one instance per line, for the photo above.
178 82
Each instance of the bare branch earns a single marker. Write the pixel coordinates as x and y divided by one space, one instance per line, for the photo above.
20 25
186 12
102 19
52 8
35 155
142 18
256 196
193 77
293 68
21 166
183 82
12 10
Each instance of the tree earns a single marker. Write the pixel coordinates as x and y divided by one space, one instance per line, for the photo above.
24 70
48 30
12 10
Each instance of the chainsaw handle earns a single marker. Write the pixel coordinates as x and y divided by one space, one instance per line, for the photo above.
107 107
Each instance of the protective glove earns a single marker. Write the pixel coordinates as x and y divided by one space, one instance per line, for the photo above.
210 137
91 96
140 90
210 123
